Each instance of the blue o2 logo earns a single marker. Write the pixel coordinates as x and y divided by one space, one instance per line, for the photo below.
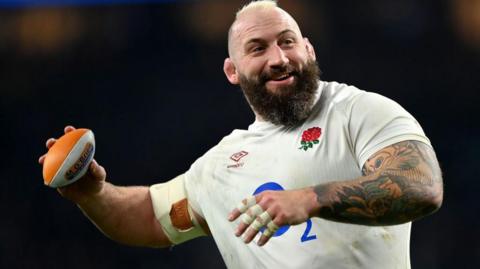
272 186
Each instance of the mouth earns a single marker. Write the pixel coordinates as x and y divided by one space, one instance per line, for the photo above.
282 77
277 82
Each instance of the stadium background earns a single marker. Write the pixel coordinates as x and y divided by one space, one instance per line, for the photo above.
147 77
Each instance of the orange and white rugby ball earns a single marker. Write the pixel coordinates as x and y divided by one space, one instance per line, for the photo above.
68 159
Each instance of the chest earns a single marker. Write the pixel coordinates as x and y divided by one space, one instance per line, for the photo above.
287 160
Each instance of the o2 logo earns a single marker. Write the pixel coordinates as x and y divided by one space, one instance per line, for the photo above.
272 186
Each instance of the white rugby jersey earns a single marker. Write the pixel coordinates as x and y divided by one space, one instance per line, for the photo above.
346 127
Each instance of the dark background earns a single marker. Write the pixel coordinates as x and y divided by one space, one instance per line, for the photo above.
148 79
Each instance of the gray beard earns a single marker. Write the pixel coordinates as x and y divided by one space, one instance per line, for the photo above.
292 105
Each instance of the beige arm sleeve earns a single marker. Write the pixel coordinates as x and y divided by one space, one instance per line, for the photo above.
172 210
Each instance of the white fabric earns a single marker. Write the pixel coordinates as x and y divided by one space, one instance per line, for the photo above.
354 124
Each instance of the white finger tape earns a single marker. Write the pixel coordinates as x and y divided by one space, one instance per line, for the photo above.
246 203
267 233
247 219
265 218
272 227
256 210
256 225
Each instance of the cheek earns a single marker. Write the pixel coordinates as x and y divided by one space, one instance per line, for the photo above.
300 61
299 58
252 68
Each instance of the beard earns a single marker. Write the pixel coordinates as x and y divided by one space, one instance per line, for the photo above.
289 105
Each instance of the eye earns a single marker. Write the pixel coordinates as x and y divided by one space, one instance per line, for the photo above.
257 49
288 42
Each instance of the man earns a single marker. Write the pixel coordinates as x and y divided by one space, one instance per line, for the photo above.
328 176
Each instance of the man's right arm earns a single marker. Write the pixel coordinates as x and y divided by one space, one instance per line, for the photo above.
124 214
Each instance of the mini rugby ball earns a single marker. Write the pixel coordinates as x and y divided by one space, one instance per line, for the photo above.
69 158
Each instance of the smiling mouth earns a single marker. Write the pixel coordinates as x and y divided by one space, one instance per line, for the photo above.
282 77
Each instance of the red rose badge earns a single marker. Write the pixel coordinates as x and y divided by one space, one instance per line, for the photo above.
310 137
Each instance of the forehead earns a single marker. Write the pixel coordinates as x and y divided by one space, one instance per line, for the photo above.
262 24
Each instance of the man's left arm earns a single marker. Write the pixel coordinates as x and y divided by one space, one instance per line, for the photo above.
400 183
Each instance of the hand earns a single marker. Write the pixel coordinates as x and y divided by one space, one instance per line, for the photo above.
273 209
90 184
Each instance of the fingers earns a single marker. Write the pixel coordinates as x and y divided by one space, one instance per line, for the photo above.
68 128
257 214
262 220
248 218
42 159
272 228
253 219
48 144
242 208
97 171
51 141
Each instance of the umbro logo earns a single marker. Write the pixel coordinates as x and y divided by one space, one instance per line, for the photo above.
236 157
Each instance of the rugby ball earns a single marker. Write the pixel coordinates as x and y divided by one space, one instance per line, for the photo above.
69 158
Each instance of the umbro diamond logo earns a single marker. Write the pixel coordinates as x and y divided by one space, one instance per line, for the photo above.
239 155
236 157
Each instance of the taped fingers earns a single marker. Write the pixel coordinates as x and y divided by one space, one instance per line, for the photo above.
251 214
256 225
272 228
248 217
267 233
242 207
265 217
261 220
246 204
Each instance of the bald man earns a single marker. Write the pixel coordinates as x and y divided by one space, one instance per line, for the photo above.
328 176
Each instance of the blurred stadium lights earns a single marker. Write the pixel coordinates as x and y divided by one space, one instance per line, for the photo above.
214 29
54 3
466 20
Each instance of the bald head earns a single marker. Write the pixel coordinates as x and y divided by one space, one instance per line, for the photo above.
254 15
272 62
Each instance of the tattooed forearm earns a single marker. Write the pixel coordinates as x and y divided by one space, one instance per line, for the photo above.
400 183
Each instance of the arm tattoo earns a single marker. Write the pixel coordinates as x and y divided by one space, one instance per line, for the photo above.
400 183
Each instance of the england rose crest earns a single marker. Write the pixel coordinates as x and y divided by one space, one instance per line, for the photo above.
310 137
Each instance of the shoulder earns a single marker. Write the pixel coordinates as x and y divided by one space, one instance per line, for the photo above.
337 95
339 92
347 98
208 160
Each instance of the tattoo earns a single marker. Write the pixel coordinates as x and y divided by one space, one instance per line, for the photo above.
400 183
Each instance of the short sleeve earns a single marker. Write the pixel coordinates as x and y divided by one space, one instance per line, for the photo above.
376 122
190 183
193 184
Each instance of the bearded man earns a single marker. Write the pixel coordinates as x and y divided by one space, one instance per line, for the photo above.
328 176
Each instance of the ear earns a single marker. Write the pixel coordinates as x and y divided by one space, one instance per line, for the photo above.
310 49
230 71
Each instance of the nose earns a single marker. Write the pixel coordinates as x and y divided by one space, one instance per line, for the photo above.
277 57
